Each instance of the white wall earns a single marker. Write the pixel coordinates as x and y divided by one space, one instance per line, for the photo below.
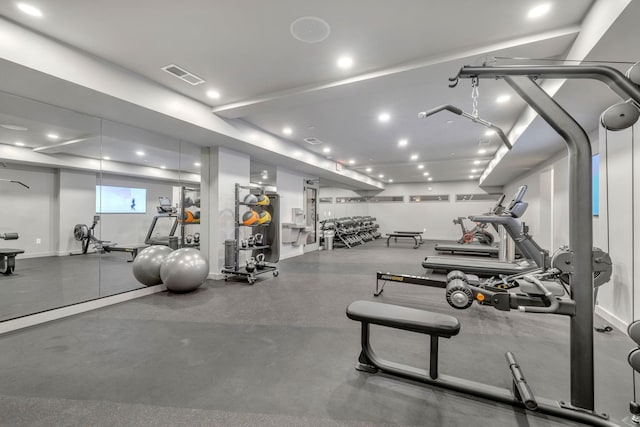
290 186
76 204
435 219
29 212
547 214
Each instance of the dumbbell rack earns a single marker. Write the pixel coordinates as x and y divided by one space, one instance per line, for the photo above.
237 270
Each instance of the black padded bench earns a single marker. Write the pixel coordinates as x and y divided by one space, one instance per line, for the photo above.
397 317
418 234
8 259
406 236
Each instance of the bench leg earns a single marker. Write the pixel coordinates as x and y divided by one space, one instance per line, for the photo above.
433 358
388 240
7 264
417 245
364 363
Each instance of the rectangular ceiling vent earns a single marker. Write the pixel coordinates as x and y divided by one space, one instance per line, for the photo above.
312 141
484 142
183 74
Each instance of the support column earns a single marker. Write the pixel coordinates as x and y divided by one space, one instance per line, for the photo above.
221 169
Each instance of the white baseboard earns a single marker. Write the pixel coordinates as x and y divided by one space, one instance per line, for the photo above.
617 323
71 310
35 255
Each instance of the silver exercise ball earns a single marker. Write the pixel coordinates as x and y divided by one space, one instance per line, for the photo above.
184 270
146 266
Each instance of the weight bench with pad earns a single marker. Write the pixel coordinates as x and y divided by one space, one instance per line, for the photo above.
443 326
397 317
8 259
418 234
406 236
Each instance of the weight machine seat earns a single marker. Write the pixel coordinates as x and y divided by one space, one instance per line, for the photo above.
408 319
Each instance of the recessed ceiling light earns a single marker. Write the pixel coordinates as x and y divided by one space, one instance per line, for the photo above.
381 176
287 131
429 179
471 176
474 170
420 166
14 127
345 62
425 174
140 153
476 162
196 164
391 180
53 136
368 169
29 9
163 167
384 117
106 158
452 154
403 142
503 98
414 157
449 122
490 132
539 10
19 144
352 162
482 151
213 94
326 150
259 182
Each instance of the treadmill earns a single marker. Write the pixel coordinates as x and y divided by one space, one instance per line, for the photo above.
534 257
166 221
481 249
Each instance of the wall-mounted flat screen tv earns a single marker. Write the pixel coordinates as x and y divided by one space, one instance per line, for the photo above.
120 200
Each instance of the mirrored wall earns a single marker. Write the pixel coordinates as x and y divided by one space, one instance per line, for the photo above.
80 197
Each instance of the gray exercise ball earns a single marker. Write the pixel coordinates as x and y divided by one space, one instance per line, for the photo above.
184 270
146 266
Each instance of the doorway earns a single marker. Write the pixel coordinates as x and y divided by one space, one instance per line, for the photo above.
311 216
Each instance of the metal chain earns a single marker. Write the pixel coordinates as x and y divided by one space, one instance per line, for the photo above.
474 96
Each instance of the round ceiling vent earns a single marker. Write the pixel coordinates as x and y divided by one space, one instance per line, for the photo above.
310 29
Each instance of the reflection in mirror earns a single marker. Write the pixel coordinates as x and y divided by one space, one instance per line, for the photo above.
140 172
188 195
55 153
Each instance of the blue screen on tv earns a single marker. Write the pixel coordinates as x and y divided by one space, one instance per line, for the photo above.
120 199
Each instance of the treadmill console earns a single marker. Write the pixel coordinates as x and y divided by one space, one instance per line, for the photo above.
165 206
517 207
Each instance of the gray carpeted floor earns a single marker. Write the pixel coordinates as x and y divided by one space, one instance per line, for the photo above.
282 352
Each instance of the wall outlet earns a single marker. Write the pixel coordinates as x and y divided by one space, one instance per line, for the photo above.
38 241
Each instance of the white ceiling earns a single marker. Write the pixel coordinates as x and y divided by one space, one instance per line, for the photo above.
403 52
